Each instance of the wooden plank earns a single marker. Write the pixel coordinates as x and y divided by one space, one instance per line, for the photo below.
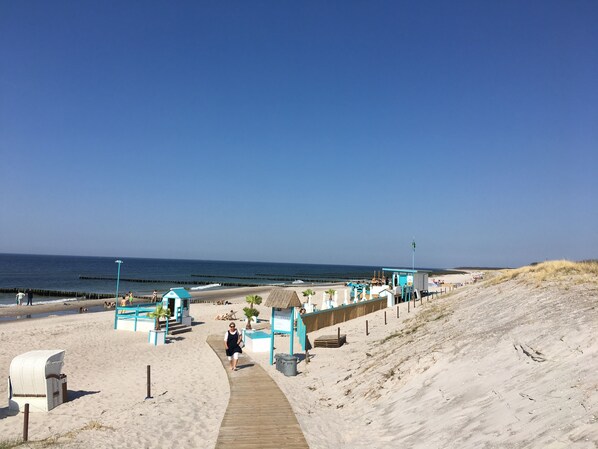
258 415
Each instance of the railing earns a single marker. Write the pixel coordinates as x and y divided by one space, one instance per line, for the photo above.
138 312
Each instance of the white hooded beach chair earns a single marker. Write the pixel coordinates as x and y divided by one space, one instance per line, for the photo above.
35 379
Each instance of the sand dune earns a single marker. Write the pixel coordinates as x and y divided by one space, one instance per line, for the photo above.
508 365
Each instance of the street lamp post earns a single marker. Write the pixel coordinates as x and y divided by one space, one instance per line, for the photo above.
117 277
119 262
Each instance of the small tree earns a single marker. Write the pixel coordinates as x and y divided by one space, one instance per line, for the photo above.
308 294
330 292
160 312
250 312
253 300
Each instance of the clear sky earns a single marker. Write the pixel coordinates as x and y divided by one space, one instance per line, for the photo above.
313 131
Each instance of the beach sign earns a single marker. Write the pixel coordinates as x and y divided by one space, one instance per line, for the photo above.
409 280
283 302
282 320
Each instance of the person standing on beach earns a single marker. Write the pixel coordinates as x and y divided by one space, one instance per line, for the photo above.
155 296
232 343
20 297
29 297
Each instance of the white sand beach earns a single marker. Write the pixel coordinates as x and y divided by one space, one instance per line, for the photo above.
510 364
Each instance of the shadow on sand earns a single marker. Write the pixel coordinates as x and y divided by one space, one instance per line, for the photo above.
74 395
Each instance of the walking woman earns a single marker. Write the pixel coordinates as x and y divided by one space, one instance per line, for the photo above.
232 343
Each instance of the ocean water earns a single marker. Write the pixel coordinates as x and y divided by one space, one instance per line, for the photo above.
98 274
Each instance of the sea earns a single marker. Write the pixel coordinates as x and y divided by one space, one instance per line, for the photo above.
67 278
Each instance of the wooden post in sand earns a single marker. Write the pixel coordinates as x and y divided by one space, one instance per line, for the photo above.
149 384
408 306
26 423
385 317
367 332
397 310
338 337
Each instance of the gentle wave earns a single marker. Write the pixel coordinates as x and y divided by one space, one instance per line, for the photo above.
204 287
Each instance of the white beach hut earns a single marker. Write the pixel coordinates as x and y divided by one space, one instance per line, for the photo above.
35 379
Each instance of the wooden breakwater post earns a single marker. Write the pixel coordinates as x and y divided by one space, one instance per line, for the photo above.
26 423
149 382
61 293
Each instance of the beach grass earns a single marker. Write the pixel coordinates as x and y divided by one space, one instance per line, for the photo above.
54 439
585 272
432 313
8 444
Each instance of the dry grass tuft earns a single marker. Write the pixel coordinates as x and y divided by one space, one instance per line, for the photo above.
9 444
55 440
430 313
556 270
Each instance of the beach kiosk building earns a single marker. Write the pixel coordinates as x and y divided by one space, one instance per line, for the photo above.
178 300
283 303
405 282
35 379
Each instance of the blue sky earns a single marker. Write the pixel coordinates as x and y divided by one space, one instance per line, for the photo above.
324 132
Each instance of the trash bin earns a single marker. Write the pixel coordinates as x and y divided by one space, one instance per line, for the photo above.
278 360
286 364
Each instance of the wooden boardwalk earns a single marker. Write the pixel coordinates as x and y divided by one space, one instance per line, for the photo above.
259 415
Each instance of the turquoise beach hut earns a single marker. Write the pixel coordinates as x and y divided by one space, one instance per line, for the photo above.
405 282
178 300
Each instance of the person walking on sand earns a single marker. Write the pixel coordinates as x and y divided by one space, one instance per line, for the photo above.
29 297
20 297
130 298
232 343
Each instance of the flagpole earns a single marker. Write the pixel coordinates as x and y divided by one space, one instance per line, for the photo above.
413 256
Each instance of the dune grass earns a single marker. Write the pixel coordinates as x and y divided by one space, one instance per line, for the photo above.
556 270
9 444
433 312
53 440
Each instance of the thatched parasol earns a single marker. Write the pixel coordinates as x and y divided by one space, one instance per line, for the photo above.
283 298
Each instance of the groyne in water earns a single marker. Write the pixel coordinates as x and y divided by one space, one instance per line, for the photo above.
274 277
59 293
212 279
169 281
